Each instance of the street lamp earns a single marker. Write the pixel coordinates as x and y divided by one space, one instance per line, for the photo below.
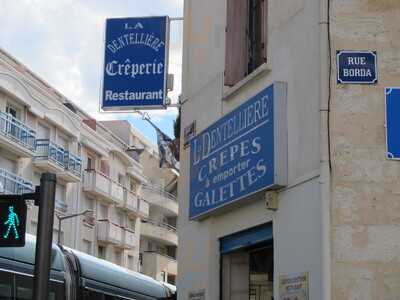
61 218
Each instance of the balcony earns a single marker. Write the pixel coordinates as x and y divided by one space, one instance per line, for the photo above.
109 232
130 203
100 185
165 201
61 206
154 263
16 137
161 232
144 208
129 239
13 184
53 158
49 156
73 168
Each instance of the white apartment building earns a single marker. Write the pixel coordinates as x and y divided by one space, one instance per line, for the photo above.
41 131
158 236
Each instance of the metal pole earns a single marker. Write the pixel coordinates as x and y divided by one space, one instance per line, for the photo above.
44 236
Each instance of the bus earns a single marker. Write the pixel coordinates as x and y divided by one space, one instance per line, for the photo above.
74 276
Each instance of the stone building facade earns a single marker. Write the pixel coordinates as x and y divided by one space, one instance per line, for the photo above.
333 226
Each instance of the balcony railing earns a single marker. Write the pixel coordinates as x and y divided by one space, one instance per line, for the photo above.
13 184
160 224
17 131
159 190
129 239
45 149
61 206
73 163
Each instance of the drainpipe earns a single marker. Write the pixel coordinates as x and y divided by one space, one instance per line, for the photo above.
325 167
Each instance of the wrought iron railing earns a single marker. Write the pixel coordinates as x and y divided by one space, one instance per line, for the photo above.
45 149
17 131
13 184
73 163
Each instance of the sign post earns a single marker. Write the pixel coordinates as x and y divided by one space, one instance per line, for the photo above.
135 63
44 236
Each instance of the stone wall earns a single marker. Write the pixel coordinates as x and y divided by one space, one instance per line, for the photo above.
365 206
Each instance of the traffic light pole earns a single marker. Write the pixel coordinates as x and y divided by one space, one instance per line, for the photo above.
44 236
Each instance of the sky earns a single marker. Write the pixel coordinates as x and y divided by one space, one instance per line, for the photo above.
62 41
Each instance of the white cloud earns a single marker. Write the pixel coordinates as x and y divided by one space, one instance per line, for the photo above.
62 41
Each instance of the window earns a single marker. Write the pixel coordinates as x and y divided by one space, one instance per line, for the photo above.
43 132
163 276
90 164
101 252
121 179
118 257
6 286
103 212
131 262
132 185
246 38
62 140
120 219
14 111
87 246
105 168
131 224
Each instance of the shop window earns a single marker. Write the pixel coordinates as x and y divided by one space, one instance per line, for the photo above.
246 38
247 263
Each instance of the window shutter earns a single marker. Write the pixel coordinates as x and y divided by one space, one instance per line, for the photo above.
264 29
236 41
105 168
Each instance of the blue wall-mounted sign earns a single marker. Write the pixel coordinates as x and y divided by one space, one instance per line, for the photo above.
135 63
356 67
243 153
393 123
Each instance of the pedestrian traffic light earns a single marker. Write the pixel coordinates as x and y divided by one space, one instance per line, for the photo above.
12 223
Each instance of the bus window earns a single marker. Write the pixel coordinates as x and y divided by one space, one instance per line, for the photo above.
5 286
24 289
91 295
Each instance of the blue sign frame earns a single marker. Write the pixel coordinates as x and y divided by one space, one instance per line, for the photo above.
392 113
135 67
241 154
356 67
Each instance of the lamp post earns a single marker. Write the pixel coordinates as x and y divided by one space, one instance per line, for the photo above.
61 218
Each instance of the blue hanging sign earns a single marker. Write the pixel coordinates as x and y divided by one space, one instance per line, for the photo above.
392 123
135 63
356 67
243 153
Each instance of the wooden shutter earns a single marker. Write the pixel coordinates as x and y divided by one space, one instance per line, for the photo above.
105 168
264 30
236 58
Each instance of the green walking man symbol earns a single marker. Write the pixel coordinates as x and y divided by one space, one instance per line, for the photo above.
12 222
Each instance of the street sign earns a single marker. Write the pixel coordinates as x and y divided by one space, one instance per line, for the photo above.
392 96
356 67
243 153
135 63
12 222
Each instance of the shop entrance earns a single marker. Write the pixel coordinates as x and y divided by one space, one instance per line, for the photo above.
247 264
